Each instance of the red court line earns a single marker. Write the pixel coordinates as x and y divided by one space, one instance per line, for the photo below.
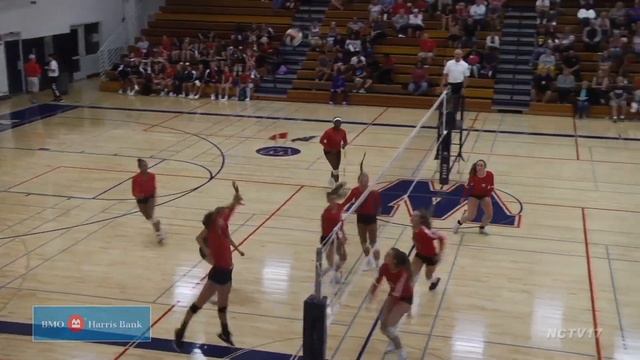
575 131
165 313
592 287
368 126
34 177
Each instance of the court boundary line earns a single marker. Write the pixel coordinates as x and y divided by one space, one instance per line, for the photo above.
615 299
592 289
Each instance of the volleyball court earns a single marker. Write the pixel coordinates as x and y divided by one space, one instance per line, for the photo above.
341 288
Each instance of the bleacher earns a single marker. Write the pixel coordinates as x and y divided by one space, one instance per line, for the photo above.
404 51
588 60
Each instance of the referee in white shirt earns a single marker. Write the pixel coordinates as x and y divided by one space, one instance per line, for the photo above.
53 72
455 74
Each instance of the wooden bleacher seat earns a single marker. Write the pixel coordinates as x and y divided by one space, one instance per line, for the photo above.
247 19
538 108
224 11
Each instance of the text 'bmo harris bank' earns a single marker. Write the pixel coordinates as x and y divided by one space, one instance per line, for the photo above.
92 323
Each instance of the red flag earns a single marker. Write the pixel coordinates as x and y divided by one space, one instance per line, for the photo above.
283 135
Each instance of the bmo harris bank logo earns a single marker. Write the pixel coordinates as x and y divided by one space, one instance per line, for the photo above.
91 323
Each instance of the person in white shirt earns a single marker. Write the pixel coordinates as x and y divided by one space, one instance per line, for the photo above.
455 74
478 11
493 41
542 8
53 72
415 23
586 14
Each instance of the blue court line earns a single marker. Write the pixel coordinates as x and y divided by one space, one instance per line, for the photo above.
31 114
165 345
364 123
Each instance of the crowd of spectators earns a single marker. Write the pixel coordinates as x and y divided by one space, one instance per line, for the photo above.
350 57
230 65
613 35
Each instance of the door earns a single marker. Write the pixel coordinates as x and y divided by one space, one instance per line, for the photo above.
14 66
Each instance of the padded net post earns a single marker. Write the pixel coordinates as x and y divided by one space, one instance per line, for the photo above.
314 332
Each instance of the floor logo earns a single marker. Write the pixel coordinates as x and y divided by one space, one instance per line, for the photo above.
443 203
278 151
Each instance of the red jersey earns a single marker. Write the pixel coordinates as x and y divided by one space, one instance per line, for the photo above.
480 186
399 282
333 140
331 217
32 69
370 205
424 239
219 241
143 185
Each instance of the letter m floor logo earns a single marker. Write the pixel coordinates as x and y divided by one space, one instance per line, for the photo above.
442 203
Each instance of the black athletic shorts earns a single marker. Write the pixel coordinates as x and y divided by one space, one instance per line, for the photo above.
428 260
220 276
366 219
408 300
477 197
144 201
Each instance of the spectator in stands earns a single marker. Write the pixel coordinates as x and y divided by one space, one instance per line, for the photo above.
358 63
604 24
445 16
591 36
361 77
600 87
415 23
378 31
618 99
489 64
454 32
478 12
385 74
353 45
474 61
565 85
618 16
571 62
469 30
338 63
542 9
492 42
583 100
400 22
494 14
188 77
211 79
635 103
542 82
566 40
605 62
355 26
375 10
418 84
315 39
400 6
615 49
226 83
323 69
427 48
586 14
339 86
143 46
332 33
633 15
461 11
387 9
124 72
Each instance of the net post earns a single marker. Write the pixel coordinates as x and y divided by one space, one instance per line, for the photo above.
318 285
314 322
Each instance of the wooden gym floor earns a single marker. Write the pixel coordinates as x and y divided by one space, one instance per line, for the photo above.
67 235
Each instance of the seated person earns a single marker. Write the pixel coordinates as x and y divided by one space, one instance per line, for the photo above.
600 88
591 36
339 86
542 83
418 84
586 14
583 100
565 85
618 99
427 48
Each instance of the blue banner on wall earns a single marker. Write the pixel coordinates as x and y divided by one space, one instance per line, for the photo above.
91 323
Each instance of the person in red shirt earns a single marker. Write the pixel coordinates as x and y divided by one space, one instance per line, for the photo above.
33 71
143 188
397 271
478 191
426 253
333 238
367 217
218 253
427 48
333 141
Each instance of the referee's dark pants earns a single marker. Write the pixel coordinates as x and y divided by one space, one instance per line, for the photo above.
456 93
53 80
456 88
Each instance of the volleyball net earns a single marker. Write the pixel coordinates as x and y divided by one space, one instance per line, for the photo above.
395 172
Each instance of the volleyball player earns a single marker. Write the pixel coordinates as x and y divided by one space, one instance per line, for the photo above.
216 223
426 252
143 187
334 140
478 193
331 219
396 269
366 217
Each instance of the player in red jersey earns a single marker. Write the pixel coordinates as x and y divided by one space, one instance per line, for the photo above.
367 218
332 219
333 141
216 223
397 270
426 252
143 187
478 192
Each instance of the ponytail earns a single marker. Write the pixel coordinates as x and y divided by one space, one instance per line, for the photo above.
402 260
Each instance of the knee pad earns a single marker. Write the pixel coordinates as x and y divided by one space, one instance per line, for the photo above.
194 308
222 310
